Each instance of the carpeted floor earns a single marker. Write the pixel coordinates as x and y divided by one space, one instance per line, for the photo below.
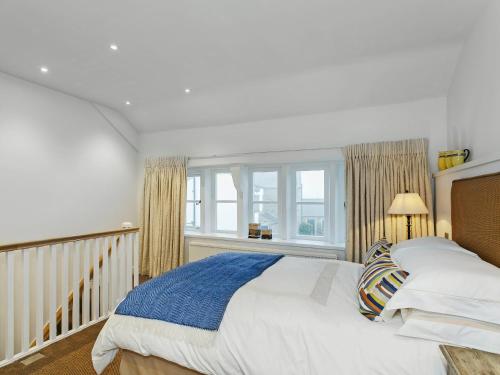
78 363
70 356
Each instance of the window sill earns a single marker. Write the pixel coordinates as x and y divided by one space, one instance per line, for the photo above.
318 245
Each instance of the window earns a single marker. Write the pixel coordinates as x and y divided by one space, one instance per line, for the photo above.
264 199
226 206
296 201
193 202
310 203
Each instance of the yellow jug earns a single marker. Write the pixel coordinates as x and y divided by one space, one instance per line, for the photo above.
460 156
449 159
442 160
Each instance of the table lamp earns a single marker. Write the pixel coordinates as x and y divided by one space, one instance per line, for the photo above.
408 204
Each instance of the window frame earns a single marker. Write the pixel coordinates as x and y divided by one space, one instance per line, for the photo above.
196 173
279 196
292 214
214 201
335 218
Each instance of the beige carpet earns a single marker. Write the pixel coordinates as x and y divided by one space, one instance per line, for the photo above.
78 362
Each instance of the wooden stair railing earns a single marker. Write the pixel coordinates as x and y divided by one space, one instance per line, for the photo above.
46 327
27 275
60 240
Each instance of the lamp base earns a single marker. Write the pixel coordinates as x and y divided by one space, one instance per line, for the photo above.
408 226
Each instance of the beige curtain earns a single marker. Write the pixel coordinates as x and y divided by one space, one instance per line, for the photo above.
375 173
163 215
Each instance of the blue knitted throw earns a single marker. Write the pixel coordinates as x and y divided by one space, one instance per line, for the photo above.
197 293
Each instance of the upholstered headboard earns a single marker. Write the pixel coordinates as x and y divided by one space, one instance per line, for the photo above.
475 215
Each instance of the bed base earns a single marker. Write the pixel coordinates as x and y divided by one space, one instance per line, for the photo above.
136 364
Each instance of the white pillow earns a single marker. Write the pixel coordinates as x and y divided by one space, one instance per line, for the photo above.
447 282
437 243
451 330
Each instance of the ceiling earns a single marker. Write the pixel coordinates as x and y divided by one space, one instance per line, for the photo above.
243 60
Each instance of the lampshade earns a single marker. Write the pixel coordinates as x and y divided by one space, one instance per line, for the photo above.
408 204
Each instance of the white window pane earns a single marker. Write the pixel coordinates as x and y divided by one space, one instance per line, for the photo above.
310 219
227 219
265 186
197 215
266 214
197 187
310 186
225 187
193 204
193 188
193 214
190 214
190 189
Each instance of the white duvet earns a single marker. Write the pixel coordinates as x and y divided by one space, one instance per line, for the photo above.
299 317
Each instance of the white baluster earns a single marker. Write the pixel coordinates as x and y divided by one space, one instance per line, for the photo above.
9 347
114 273
40 290
129 265
25 342
64 289
86 282
136 259
121 267
52 293
95 283
75 321
105 279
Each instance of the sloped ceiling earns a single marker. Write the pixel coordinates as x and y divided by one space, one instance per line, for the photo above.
242 60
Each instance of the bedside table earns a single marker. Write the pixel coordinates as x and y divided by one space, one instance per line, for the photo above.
464 361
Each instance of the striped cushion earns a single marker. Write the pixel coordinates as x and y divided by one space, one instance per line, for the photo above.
378 248
378 283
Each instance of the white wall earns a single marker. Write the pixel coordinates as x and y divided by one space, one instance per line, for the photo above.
64 169
474 96
423 118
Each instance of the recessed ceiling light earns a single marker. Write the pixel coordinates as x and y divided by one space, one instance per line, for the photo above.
187 91
113 47
44 69
128 103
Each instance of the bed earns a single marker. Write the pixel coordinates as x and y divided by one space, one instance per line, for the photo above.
301 317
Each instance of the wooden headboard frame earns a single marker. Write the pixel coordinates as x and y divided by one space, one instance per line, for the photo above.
475 215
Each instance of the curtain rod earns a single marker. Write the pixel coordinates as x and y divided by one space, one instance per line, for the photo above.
215 156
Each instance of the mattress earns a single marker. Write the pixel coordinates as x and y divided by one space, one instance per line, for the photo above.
299 317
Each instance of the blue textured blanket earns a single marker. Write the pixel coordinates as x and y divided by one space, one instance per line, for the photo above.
197 293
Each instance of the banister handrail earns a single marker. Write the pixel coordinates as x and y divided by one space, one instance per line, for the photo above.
53 241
